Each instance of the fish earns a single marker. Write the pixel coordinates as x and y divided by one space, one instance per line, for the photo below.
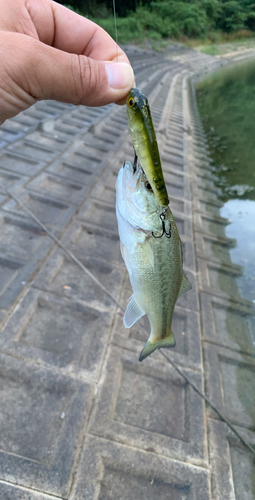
145 142
152 251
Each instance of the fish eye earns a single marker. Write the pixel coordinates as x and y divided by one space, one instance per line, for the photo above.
148 186
131 102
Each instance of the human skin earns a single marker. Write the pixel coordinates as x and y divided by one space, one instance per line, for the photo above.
49 52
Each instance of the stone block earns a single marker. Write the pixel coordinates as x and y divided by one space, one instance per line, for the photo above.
66 170
62 276
33 151
177 185
13 492
230 384
15 273
52 212
149 405
207 206
188 255
211 224
58 332
21 237
42 416
8 135
213 248
219 279
59 188
20 164
111 471
10 181
228 323
52 142
89 241
232 464
99 213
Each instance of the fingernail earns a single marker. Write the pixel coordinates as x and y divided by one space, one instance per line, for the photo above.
120 75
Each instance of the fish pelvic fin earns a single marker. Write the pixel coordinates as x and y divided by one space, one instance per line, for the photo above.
133 313
150 347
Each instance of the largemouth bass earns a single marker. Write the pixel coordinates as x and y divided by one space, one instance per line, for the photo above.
145 143
152 251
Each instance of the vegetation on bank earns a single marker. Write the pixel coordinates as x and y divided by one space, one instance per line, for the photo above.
158 20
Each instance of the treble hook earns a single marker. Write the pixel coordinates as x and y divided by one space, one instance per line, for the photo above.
162 218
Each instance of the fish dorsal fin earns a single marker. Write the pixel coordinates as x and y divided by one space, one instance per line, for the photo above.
133 313
185 285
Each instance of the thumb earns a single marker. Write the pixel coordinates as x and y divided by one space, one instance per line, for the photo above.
55 74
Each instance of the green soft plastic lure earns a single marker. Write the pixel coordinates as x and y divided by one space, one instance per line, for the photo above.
145 143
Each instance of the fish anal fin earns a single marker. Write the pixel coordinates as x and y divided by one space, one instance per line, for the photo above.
150 347
185 285
133 313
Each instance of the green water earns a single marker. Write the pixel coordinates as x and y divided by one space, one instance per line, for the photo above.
226 102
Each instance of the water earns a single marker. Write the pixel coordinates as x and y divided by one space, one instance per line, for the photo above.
226 102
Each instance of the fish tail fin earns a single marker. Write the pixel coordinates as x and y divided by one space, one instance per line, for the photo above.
150 347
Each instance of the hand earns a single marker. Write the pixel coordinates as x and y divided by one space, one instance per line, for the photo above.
49 52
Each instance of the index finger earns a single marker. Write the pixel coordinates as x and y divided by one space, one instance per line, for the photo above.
65 30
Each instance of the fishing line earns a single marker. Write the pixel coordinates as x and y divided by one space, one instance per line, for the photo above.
86 270
115 25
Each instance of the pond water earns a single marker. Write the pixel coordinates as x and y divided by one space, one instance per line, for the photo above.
226 102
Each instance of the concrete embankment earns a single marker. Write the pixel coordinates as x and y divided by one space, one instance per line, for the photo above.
80 417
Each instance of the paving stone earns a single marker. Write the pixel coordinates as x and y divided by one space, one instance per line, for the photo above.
59 332
21 237
233 466
89 159
188 255
12 182
179 205
50 211
211 224
90 241
110 471
61 276
219 279
72 172
54 142
20 164
185 326
230 383
13 492
177 185
216 249
59 188
33 151
7 135
99 213
228 323
41 420
133 395
204 205
15 273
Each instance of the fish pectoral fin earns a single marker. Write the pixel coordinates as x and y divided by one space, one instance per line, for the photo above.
150 347
133 313
185 285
